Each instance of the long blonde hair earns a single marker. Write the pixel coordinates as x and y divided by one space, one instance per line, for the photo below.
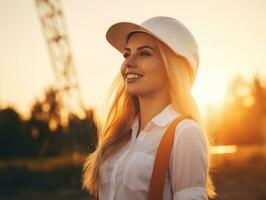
115 132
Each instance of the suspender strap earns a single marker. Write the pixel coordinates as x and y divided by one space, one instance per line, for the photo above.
161 162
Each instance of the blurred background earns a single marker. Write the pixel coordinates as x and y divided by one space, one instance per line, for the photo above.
56 67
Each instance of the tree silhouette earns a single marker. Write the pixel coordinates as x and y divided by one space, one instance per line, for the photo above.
56 138
44 134
10 133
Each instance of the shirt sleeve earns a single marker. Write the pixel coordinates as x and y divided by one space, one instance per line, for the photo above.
188 163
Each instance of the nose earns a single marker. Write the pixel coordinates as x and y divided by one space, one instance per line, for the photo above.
131 62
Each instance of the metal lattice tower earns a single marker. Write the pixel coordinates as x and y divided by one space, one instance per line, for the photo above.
55 33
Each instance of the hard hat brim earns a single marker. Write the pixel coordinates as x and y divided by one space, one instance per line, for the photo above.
118 33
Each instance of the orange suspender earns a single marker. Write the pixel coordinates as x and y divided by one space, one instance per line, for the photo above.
161 162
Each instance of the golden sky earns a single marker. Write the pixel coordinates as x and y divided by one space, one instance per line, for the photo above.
231 35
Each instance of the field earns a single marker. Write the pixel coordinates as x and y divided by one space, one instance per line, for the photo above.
237 176
242 175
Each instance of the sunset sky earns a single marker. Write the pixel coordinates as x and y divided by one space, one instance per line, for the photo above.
231 35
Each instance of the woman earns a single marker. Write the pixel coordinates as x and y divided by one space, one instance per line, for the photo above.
153 88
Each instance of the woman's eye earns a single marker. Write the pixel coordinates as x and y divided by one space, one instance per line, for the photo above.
145 53
125 55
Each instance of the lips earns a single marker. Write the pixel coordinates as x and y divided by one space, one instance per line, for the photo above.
132 77
133 73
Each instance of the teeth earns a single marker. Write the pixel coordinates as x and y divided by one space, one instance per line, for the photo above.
133 76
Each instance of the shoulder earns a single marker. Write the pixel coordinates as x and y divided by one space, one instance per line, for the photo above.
188 124
189 132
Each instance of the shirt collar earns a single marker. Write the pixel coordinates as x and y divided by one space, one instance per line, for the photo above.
167 115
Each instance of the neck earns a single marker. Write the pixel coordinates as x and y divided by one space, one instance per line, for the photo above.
150 107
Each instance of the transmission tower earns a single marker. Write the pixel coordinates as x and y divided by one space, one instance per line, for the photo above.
55 33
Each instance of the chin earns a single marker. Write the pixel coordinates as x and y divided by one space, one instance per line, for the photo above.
132 93
136 93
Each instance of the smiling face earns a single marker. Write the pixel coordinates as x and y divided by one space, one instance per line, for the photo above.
143 68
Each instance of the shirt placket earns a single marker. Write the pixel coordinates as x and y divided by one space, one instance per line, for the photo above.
116 167
144 133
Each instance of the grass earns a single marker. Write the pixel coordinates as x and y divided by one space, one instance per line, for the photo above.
51 178
242 175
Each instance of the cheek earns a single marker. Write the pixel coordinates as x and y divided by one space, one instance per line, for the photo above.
159 76
161 70
123 69
158 71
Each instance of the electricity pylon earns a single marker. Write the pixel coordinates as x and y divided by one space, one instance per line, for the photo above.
55 33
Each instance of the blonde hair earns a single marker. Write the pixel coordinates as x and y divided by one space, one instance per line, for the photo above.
181 78
116 131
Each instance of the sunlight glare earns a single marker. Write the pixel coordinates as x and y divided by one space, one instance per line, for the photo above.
228 149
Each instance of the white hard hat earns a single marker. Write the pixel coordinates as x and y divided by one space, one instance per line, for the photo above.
168 30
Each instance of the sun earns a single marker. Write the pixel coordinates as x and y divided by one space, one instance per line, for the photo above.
209 91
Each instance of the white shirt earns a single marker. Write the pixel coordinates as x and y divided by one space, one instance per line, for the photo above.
126 175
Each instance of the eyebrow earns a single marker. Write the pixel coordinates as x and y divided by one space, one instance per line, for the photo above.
139 48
